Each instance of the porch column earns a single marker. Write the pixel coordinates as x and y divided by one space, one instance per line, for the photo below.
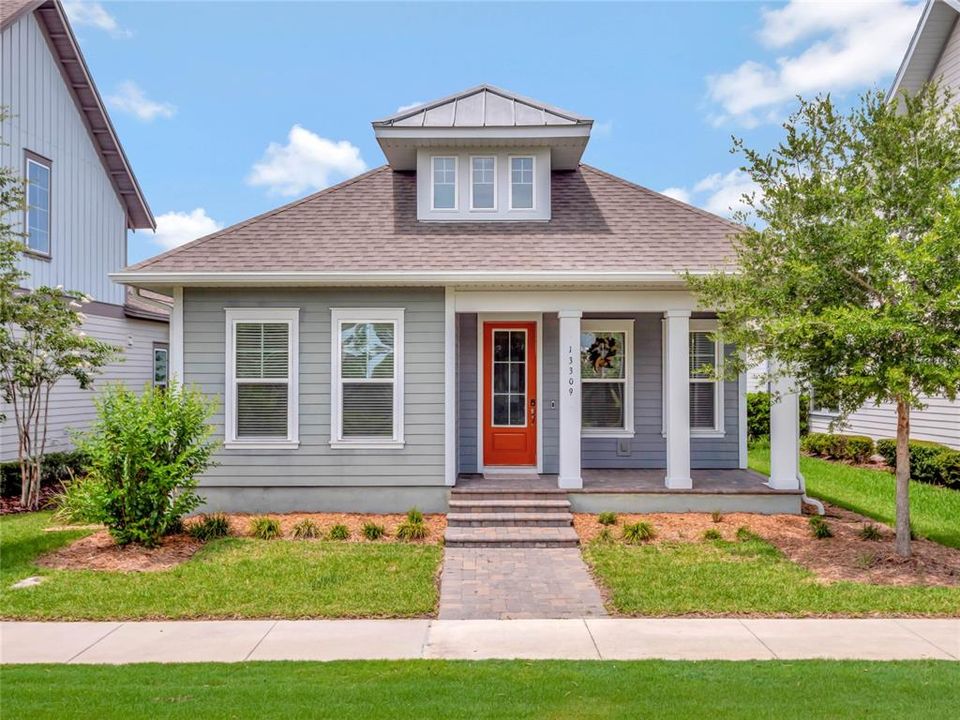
677 398
569 399
175 371
784 431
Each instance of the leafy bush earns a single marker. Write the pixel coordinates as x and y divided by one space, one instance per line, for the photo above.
638 532
816 444
412 530
306 529
758 415
853 448
57 467
147 451
265 528
930 462
373 531
607 518
870 532
712 534
210 527
82 501
716 516
819 528
414 516
339 532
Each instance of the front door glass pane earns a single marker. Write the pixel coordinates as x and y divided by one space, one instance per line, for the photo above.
509 377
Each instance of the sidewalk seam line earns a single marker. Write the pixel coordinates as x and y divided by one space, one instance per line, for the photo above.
929 642
592 639
426 639
750 630
95 642
264 637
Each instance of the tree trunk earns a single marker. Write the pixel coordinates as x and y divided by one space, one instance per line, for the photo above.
902 543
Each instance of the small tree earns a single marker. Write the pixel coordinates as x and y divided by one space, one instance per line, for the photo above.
849 267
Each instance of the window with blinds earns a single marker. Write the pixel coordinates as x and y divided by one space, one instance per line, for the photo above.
367 371
605 374
262 393
704 386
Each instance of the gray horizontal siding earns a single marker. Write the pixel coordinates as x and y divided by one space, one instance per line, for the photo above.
467 393
315 463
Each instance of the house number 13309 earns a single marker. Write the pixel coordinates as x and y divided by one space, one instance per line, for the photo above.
571 381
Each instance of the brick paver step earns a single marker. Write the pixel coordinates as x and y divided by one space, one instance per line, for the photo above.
510 519
508 506
493 494
511 537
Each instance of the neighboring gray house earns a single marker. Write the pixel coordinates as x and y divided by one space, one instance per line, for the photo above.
934 54
82 197
483 309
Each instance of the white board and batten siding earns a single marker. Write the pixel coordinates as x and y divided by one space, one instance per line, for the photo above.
947 69
88 227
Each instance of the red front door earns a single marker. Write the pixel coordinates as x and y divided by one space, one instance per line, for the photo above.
510 393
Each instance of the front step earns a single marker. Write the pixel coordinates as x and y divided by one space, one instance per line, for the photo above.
508 506
471 494
510 537
509 519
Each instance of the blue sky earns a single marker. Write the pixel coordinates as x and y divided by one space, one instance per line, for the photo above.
227 109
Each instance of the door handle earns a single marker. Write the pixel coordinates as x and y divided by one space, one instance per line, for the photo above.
533 411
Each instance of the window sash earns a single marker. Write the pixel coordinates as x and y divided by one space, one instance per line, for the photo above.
590 413
37 221
522 177
699 335
443 175
483 175
161 367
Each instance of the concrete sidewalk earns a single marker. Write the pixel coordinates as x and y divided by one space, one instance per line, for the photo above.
586 639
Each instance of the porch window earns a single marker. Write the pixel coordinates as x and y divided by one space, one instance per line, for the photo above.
606 348
444 183
367 392
262 377
521 183
706 389
483 183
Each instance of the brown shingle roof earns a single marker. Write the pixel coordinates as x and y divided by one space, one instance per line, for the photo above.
599 223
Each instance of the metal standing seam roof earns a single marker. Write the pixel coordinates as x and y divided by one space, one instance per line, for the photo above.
369 223
63 44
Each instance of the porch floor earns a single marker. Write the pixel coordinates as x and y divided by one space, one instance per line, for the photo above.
642 481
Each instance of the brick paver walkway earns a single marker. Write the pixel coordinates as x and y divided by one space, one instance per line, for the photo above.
517 583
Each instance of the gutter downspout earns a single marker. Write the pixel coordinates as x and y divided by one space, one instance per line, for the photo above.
804 498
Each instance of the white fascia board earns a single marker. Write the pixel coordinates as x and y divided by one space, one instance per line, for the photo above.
524 132
916 40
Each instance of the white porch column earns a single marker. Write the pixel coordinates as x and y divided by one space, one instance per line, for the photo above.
784 432
175 371
569 399
677 399
450 387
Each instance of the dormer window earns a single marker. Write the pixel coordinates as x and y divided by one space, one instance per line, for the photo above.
483 183
521 183
444 183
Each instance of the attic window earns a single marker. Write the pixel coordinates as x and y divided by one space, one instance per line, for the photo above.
483 183
521 183
444 183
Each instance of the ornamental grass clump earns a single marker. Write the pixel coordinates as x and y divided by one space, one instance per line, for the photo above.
413 528
306 529
265 528
638 532
373 531
819 528
870 532
712 534
210 527
607 518
339 532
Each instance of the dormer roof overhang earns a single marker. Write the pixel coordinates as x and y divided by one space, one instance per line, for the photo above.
483 116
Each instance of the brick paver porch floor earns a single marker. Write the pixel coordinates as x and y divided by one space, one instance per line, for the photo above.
517 583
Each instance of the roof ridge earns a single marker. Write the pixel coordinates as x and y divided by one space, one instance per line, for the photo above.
262 216
679 203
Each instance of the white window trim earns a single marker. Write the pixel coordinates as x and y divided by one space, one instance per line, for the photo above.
456 183
717 430
34 159
495 184
533 187
165 349
626 327
290 316
339 316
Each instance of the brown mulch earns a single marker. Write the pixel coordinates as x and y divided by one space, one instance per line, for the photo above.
437 524
845 556
100 552
12 506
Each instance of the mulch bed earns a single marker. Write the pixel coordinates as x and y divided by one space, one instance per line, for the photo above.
437 524
12 506
845 556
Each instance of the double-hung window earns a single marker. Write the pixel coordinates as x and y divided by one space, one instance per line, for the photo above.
38 204
606 354
161 365
706 387
262 377
521 183
483 183
444 180
367 373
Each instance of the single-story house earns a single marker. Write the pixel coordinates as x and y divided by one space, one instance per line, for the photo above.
482 308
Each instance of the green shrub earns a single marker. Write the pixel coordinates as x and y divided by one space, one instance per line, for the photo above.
306 529
744 534
854 448
819 528
858 448
82 501
816 444
607 518
414 516
758 415
930 462
409 530
147 451
712 534
339 532
265 528
57 467
870 532
210 527
638 532
373 531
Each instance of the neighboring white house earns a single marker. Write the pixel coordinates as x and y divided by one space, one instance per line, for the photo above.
934 53
82 198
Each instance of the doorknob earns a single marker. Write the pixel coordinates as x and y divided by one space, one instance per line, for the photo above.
533 411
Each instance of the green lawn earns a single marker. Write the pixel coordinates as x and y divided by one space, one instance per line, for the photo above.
934 511
744 578
229 578
477 690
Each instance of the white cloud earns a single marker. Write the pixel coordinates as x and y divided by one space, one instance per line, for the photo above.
176 228
93 14
130 98
411 106
719 193
852 45
306 162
